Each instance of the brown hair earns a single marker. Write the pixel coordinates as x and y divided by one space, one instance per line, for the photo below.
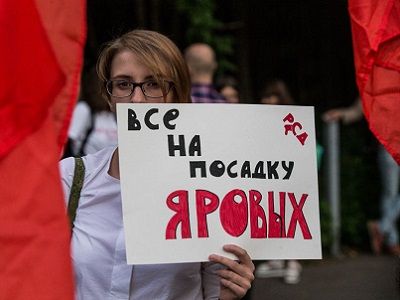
277 87
154 50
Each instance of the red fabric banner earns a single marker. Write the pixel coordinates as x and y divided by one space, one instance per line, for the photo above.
42 54
375 28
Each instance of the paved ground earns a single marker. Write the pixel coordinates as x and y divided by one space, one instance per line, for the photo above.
364 277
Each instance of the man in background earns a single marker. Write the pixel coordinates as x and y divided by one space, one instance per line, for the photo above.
202 64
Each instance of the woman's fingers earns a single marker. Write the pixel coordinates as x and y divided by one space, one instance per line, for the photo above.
239 273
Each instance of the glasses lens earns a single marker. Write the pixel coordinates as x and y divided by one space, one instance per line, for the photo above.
153 89
119 88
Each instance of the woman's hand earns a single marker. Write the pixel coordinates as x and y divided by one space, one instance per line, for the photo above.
237 278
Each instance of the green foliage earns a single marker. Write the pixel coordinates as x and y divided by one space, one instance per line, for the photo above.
204 27
360 183
200 14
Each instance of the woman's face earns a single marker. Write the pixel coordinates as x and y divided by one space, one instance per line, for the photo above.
126 66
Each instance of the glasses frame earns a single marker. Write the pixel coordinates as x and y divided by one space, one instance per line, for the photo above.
139 84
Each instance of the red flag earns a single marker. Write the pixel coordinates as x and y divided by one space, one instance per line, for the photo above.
376 42
41 53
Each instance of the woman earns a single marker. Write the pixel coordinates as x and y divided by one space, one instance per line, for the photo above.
140 66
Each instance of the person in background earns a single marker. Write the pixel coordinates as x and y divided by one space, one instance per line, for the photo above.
202 64
227 86
383 233
276 92
139 67
93 126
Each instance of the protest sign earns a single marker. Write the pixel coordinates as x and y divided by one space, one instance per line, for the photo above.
197 176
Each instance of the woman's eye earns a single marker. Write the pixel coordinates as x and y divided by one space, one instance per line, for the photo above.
152 84
123 84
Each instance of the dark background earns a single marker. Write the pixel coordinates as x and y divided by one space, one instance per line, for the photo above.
306 43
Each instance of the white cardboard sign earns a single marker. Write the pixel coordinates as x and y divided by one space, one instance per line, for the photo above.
197 176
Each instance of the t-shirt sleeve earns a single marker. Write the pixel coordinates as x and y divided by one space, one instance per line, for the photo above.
210 280
67 167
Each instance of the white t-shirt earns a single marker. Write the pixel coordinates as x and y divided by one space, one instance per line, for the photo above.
103 134
98 246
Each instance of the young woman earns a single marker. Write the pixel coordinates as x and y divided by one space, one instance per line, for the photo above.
140 66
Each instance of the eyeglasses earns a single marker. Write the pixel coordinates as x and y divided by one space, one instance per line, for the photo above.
124 88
